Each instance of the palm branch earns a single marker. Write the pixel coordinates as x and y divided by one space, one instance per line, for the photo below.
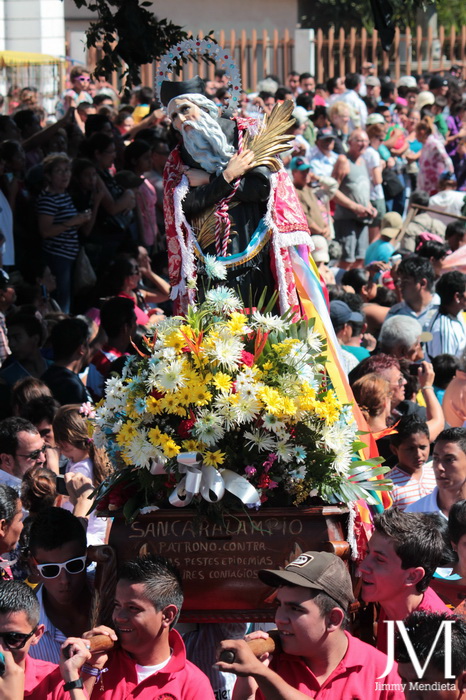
272 138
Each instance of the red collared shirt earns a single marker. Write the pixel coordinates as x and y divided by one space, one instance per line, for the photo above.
430 602
43 681
355 677
178 680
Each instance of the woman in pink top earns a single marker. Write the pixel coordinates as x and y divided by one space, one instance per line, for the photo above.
138 160
123 278
434 159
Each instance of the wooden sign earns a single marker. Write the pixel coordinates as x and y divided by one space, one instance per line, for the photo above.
220 564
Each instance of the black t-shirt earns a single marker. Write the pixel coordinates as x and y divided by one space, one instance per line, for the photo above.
65 385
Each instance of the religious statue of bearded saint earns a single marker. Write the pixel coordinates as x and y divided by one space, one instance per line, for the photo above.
218 201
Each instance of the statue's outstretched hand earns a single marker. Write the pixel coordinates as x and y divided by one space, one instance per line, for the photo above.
239 164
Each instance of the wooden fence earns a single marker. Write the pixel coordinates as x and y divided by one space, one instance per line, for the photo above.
336 53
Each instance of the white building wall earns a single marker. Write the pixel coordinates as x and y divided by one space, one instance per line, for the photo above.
34 25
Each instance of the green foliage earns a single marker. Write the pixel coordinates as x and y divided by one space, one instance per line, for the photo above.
128 33
357 13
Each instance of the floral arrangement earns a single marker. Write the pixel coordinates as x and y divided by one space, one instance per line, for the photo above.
229 407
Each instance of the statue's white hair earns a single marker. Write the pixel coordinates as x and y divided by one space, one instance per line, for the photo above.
199 100
205 142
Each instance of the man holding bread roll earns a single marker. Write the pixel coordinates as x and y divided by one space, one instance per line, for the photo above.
316 656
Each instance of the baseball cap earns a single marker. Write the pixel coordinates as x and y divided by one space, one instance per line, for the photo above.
391 220
340 313
321 571
424 98
407 81
325 133
447 175
298 163
389 232
375 118
437 81
372 81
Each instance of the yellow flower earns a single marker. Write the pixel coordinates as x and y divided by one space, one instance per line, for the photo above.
200 395
223 382
271 399
288 407
155 436
170 448
282 349
192 445
168 403
267 366
237 323
213 459
179 411
126 458
126 433
153 406
175 340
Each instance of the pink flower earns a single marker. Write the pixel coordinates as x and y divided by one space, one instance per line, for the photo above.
273 484
250 470
247 358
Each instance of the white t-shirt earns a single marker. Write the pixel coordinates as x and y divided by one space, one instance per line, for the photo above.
372 160
448 201
97 526
146 671
427 504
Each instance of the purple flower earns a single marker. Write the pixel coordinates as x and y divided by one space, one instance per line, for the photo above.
250 470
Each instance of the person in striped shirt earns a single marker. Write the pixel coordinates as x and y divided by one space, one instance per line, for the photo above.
412 478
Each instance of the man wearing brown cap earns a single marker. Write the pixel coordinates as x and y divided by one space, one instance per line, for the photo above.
317 658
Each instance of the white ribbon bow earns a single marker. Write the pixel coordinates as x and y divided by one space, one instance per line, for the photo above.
211 483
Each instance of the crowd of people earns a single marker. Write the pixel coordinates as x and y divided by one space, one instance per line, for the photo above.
380 171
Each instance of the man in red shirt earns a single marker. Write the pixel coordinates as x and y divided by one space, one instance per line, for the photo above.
150 662
19 631
318 658
404 552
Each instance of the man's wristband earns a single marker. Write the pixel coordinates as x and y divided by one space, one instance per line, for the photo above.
93 671
427 386
71 685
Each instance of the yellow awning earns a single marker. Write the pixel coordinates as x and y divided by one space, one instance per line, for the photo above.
25 58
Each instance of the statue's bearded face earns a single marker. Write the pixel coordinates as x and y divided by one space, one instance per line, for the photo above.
202 135
183 111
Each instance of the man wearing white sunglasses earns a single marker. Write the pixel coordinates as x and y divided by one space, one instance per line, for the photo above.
57 547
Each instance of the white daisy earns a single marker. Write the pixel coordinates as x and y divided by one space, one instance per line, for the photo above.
314 341
260 439
214 269
272 423
208 427
170 377
246 409
226 352
342 462
222 300
284 451
140 450
337 437
226 410
268 322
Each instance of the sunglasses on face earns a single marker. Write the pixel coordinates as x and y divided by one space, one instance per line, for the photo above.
72 566
33 455
16 640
